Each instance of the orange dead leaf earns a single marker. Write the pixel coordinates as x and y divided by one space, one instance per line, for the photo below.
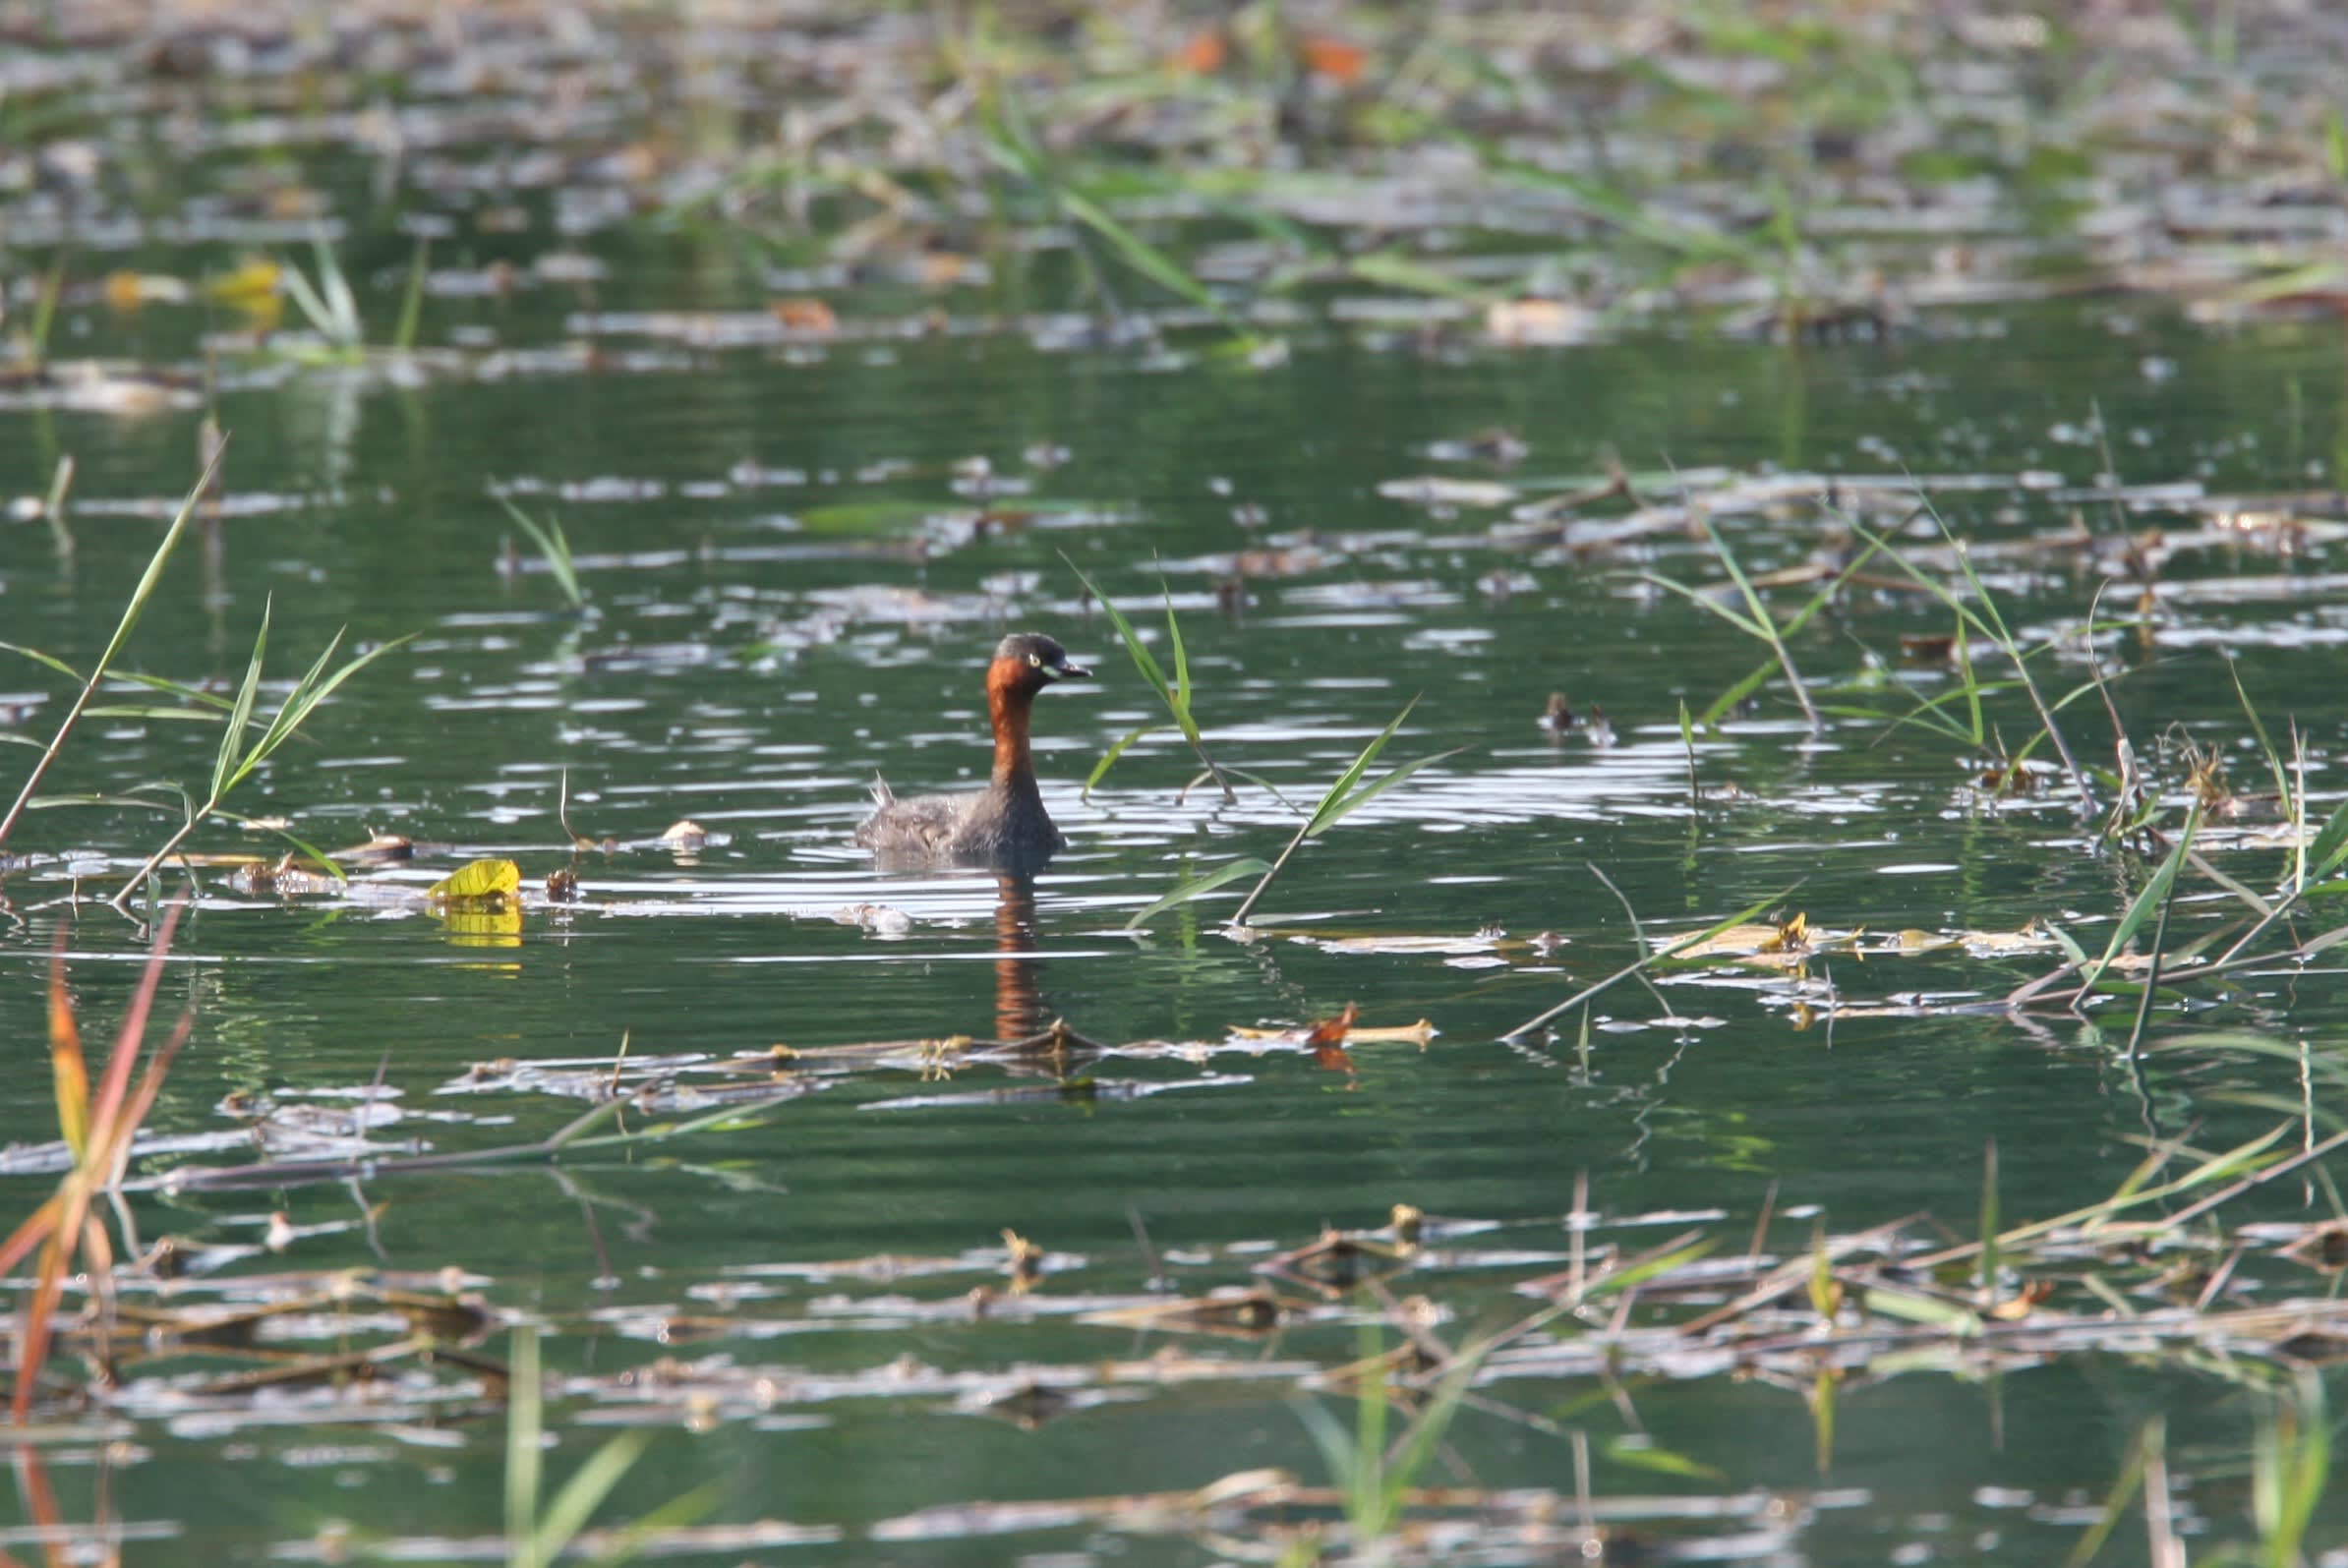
2014 1309
1202 55
1333 59
801 313
1332 1032
1327 1040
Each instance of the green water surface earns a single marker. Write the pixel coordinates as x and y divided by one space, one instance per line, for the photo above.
755 650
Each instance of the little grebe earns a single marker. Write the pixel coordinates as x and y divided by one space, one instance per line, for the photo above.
1004 824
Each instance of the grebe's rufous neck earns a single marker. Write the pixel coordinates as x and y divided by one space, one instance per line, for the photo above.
1004 824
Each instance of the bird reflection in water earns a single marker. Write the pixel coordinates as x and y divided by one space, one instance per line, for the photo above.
1029 1039
1019 1000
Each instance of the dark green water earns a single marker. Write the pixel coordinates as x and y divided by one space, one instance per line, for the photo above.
754 652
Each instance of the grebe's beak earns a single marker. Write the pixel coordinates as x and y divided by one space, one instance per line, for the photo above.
1064 668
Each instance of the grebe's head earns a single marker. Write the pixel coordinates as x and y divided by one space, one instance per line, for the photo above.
1033 661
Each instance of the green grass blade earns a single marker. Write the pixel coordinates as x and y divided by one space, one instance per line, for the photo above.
344 307
554 546
1925 1310
2331 843
1991 624
240 713
47 660
1367 1512
524 1397
1704 601
281 723
1143 256
1182 668
314 688
1928 711
1743 688
1334 1442
1393 270
1930 583
305 299
321 863
313 692
1991 617
1378 787
2308 1472
130 802
173 688
1182 894
630 1539
44 310
150 579
1268 787
1639 1273
1755 606
145 714
1109 757
2153 895
1331 804
411 305
1752 683
1973 688
572 1506
1143 660
1419 1443
2067 942
1989 1222
1599 201
2274 759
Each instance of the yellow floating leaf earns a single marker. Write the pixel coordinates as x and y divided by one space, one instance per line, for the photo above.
482 882
255 281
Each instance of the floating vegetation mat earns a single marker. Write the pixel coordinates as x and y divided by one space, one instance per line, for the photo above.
1424 1316
1511 176
1419 1320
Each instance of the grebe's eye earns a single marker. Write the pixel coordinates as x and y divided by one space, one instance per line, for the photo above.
1036 660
